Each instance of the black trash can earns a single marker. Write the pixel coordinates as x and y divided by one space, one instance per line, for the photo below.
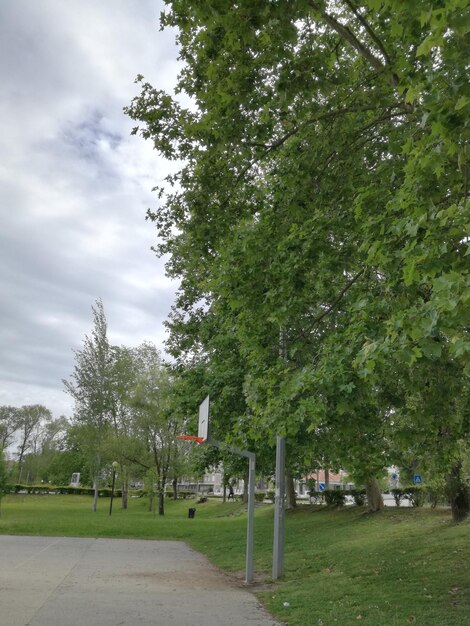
191 513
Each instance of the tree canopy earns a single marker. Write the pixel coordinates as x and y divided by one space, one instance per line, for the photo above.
319 220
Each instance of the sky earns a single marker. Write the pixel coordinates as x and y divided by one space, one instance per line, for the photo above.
75 187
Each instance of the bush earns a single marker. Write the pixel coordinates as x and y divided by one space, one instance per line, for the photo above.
260 496
334 497
437 495
36 489
63 490
359 496
186 494
136 493
270 495
398 495
416 495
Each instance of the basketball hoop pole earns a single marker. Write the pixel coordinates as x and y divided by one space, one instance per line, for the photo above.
278 543
251 456
204 437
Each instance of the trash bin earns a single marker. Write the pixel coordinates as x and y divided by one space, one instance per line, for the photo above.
191 513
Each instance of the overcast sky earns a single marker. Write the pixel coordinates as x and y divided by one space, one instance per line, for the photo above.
75 186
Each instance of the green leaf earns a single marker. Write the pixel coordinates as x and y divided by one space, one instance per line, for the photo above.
425 47
410 274
462 102
460 346
431 348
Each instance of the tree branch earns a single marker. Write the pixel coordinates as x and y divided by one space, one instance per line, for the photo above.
318 118
350 37
369 31
133 460
338 299
406 108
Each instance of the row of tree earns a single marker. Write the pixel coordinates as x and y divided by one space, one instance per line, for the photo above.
127 414
35 433
317 220
124 414
134 422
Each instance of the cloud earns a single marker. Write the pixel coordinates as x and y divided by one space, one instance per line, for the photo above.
75 186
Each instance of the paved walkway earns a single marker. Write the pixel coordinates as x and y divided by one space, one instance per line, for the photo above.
57 581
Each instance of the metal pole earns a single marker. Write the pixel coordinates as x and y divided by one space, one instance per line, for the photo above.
278 545
251 519
251 456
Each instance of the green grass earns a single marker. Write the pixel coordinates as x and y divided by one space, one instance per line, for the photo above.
403 566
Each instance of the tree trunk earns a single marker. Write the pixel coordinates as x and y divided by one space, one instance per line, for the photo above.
95 494
225 482
327 479
245 487
124 490
174 484
151 499
375 501
161 503
161 496
458 494
291 502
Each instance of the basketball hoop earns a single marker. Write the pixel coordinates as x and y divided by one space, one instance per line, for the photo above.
198 440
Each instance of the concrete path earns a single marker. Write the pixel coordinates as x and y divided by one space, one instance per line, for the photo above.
57 581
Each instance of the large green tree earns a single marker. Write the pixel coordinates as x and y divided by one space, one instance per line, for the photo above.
321 212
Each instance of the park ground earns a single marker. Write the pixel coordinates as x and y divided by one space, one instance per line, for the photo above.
342 567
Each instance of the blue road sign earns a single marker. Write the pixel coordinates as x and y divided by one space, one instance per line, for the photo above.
394 476
417 479
322 486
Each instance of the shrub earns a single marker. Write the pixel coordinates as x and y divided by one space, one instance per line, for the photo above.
260 496
136 493
398 495
334 497
270 495
436 495
186 494
359 496
416 495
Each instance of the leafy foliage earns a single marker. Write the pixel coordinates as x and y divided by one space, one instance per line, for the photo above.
319 220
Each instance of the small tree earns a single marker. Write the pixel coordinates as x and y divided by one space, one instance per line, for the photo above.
9 424
90 387
32 418
152 442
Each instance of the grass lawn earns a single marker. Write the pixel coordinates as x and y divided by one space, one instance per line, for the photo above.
403 566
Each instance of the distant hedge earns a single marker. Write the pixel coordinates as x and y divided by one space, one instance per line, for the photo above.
419 495
53 490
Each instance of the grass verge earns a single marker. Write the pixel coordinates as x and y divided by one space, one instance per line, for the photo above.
403 566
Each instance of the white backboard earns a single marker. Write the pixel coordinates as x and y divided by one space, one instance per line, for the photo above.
203 430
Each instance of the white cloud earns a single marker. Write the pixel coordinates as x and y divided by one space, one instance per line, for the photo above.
75 186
